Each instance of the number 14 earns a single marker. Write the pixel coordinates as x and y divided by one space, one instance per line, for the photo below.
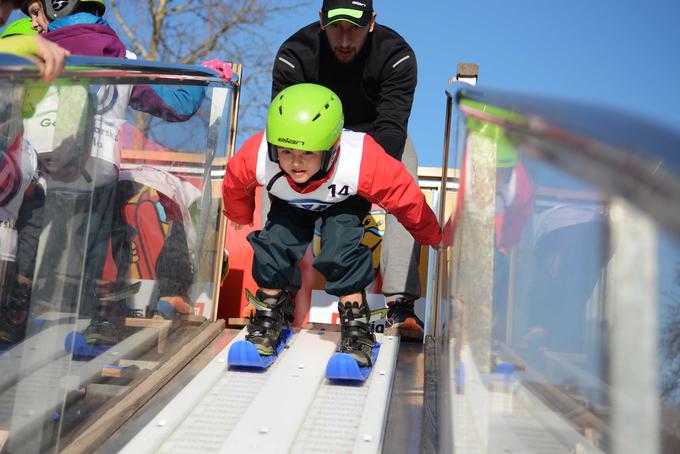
343 191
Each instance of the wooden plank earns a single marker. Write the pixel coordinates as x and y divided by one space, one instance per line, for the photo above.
92 437
237 322
192 319
436 173
113 372
136 322
170 156
104 391
139 363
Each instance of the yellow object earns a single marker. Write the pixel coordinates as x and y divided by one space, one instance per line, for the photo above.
374 229
21 45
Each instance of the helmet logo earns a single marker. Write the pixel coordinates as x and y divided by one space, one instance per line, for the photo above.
291 141
59 4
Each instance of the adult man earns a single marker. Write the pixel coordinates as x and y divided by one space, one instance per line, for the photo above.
373 71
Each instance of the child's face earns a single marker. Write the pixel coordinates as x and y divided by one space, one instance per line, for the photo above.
37 15
298 164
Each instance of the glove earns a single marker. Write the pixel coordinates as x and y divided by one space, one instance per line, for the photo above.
222 68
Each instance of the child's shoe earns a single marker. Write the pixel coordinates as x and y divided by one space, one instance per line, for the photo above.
173 306
357 338
272 314
107 326
403 321
104 332
14 313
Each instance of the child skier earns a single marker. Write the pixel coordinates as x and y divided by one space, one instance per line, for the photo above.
314 170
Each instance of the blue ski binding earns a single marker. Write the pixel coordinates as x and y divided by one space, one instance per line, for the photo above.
76 344
343 367
244 353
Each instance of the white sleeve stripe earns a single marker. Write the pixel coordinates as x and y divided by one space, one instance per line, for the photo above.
403 59
287 62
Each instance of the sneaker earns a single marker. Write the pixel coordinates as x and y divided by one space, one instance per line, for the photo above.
14 314
9 332
104 332
107 326
170 307
272 314
403 321
356 335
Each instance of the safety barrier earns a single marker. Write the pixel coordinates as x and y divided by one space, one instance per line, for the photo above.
554 326
111 240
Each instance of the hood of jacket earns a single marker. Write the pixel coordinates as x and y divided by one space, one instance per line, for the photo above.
86 34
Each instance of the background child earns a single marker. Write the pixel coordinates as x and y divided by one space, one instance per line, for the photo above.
315 171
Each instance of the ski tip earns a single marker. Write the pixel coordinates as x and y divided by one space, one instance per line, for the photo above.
245 354
76 345
74 342
342 367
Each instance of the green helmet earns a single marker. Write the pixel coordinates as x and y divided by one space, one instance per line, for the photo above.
19 27
305 117
506 152
54 9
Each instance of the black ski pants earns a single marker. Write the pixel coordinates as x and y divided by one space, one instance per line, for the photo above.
344 262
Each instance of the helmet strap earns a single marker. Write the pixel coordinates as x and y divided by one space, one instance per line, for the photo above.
329 157
273 152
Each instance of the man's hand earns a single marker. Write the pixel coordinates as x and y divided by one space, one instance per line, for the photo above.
236 226
50 58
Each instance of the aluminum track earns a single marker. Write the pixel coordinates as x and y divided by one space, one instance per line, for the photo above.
289 408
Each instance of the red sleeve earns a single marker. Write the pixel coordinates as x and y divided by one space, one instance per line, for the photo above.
510 224
240 181
385 181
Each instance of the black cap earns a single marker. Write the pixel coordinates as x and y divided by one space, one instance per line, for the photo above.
358 12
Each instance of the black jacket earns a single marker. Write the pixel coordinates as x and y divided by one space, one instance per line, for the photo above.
376 89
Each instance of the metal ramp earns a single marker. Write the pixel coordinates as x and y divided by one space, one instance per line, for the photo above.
289 408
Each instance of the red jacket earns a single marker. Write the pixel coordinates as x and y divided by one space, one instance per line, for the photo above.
378 178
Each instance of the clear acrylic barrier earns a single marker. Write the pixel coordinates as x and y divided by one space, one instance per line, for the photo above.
110 236
557 311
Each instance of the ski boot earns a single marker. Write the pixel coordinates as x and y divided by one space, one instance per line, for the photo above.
107 326
14 314
272 314
403 321
356 337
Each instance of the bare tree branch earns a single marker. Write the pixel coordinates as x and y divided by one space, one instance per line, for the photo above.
191 31
131 36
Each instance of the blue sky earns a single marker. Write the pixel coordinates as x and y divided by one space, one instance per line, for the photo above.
623 53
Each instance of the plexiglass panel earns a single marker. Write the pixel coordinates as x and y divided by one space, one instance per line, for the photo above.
669 341
559 295
110 204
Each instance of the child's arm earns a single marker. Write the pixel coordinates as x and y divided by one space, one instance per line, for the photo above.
240 181
385 181
172 103
50 56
